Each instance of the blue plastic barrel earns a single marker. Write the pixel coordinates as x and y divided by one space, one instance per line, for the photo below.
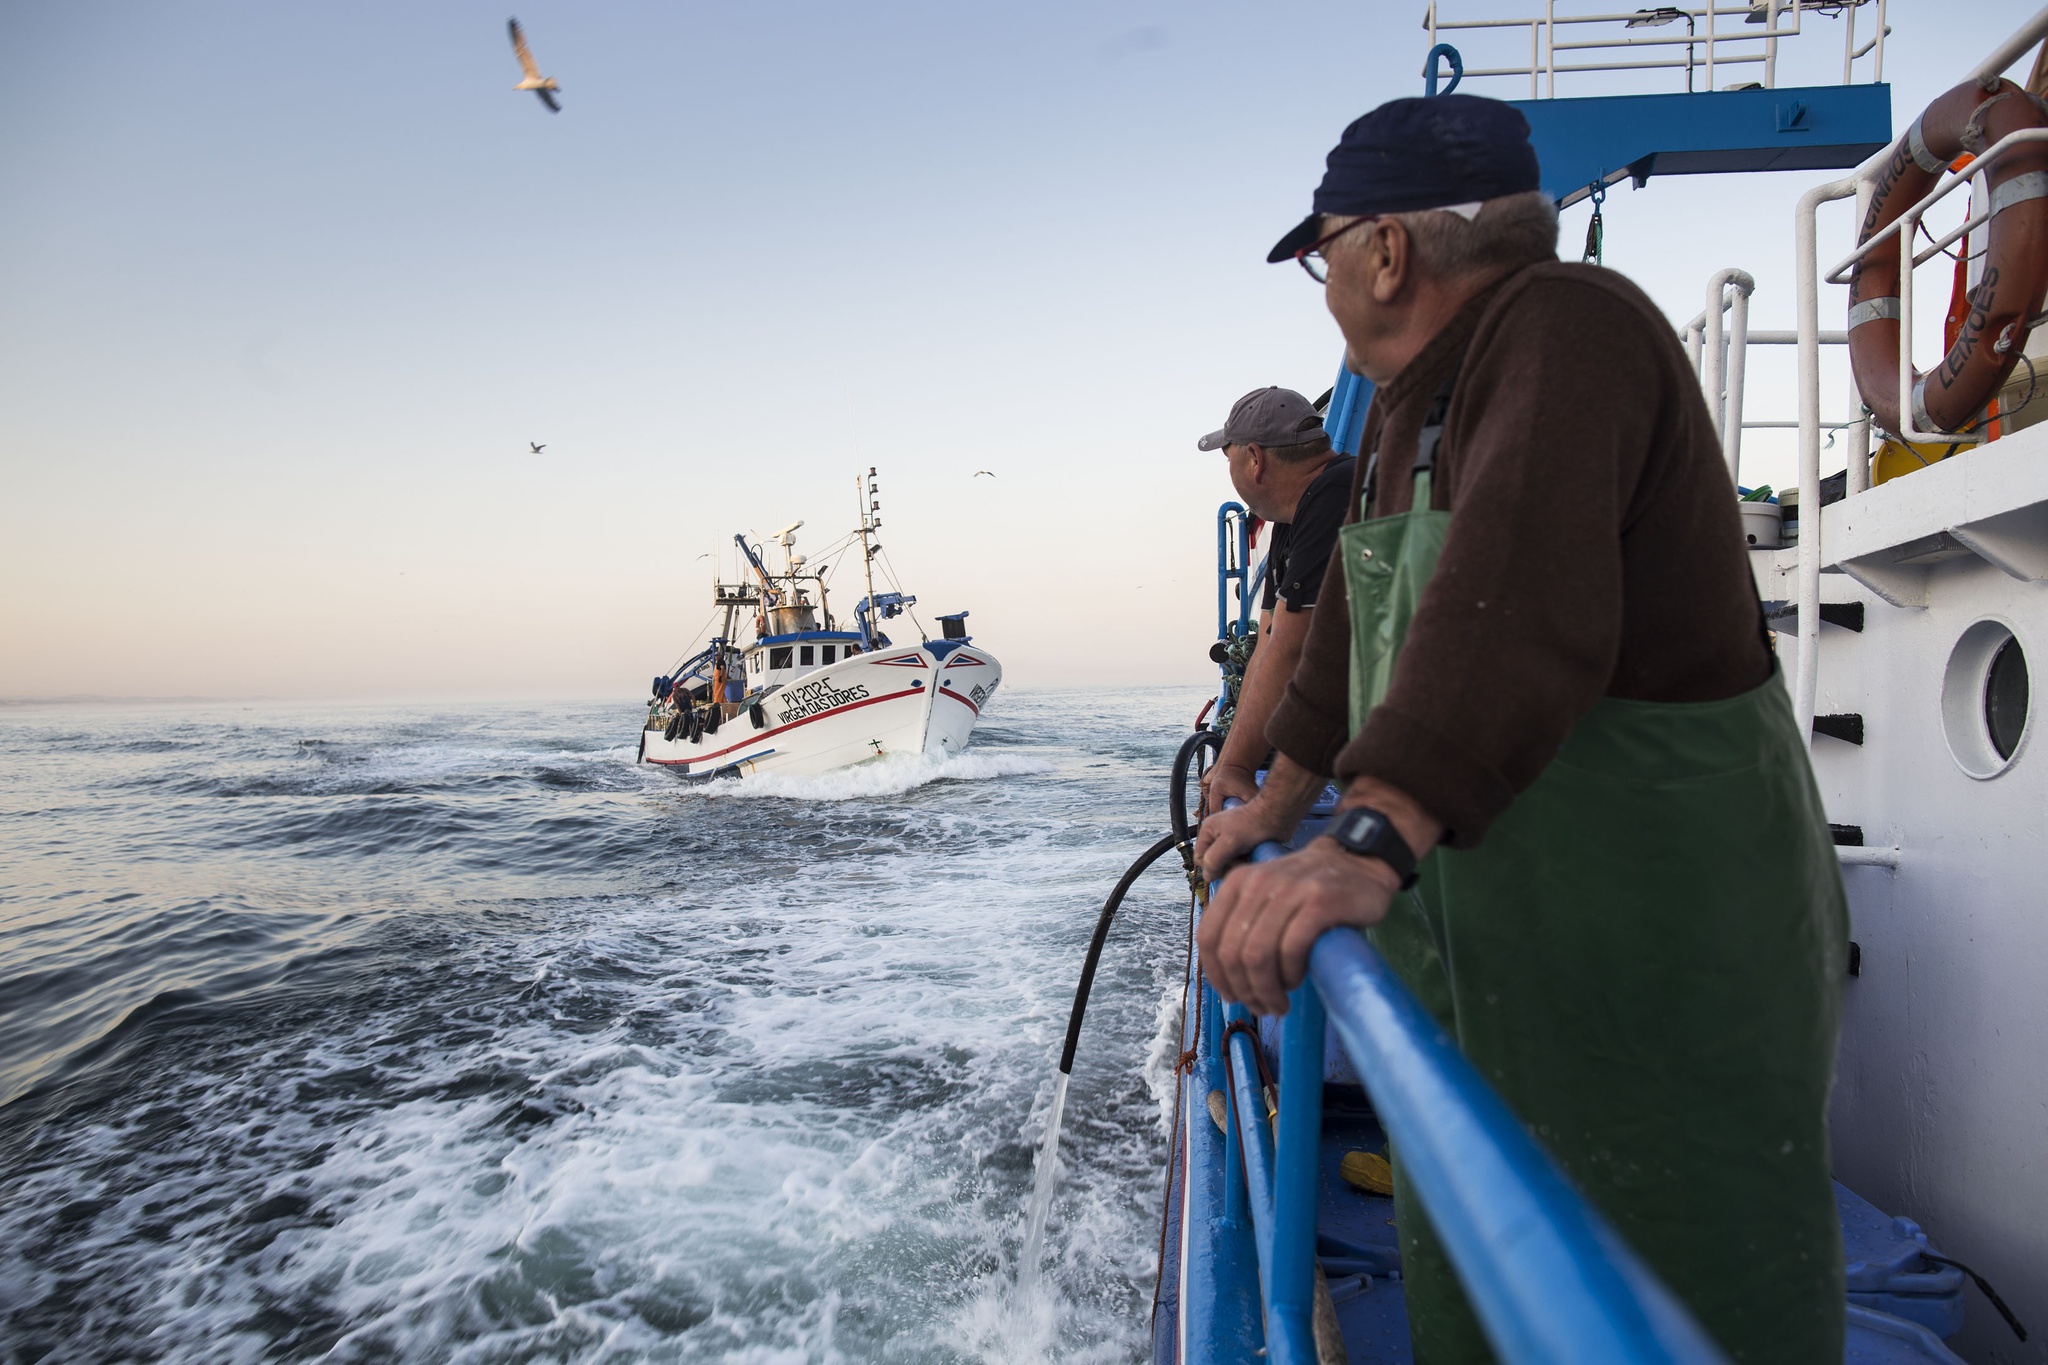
1880 1339
1887 1272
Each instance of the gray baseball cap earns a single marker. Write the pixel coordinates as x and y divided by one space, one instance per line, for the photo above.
1270 416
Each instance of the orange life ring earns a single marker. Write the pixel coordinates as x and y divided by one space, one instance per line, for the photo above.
2010 287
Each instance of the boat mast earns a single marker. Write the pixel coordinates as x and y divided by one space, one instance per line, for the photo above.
867 502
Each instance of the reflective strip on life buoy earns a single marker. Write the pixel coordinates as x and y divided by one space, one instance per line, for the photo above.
2010 286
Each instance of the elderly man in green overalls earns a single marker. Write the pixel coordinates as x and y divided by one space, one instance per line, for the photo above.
1577 813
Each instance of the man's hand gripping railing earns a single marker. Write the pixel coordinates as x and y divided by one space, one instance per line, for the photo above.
1551 1282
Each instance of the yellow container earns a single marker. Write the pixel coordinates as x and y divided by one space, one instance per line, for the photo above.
1896 459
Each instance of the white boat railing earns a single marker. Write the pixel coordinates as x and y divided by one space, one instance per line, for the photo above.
1718 46
1859 183
1718 339
1903 229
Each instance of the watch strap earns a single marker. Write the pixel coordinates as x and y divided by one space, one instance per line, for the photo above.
1370 834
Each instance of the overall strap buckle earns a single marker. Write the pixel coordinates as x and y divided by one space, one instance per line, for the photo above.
1433 426
1426 443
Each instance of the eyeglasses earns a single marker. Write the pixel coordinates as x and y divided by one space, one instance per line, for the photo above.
1311 258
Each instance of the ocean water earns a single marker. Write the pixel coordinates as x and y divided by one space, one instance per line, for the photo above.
448 1033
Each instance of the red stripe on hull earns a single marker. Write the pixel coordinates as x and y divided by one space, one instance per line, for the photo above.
770 734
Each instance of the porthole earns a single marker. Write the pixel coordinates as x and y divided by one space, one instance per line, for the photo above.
1985 699
2005 698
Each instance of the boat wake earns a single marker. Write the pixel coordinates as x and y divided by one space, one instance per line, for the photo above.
890 776
390 1033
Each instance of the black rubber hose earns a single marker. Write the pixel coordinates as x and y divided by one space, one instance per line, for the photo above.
1177 783
1989 1293
1116 898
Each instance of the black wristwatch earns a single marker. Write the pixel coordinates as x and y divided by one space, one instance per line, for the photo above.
1370 834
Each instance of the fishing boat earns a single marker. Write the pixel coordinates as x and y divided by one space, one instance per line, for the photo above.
801 693
1911 592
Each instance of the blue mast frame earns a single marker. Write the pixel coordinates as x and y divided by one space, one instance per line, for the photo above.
1233 565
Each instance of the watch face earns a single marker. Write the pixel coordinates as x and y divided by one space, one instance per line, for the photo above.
1360 826
1370 834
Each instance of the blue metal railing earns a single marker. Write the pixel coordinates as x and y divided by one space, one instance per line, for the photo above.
1551 1283
1233 565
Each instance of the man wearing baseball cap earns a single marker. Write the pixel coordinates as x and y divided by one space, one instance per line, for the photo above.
1284 470
1578 816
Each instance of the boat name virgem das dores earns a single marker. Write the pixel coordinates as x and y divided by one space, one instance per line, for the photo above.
812 698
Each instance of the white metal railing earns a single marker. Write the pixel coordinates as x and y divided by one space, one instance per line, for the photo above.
1718 46
1858 183
1903 229
1720 357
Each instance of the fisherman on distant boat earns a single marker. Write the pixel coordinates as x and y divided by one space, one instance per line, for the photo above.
1542 677
1283 467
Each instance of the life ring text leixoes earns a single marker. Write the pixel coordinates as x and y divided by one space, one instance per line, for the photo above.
2009 289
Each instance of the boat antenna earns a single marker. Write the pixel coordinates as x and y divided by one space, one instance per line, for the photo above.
787 537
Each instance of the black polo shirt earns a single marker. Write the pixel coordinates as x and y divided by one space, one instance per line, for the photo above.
1301 548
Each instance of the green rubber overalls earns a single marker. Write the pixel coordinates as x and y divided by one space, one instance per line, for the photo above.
1645 958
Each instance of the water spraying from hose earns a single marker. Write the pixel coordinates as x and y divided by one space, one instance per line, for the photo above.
1045 1173
1041 1189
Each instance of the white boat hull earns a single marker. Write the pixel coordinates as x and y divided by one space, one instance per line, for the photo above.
1940 1089
911 700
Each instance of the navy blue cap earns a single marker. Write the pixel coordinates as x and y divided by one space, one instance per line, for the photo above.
1425 153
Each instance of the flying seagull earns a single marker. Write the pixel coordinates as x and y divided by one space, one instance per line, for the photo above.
537 449
544 86
979 472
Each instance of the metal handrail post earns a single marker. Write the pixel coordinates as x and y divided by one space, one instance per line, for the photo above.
1805 679
1550 49
1232 516
1223 569
1858 433
1848 44
1771 44
1711 7
1255 1133
1738 361
1719 346
1290 1312
1550 1281
1858 480
1714 360
1237 1207
1909 429
1244 573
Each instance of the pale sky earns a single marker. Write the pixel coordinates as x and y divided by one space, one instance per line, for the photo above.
288 289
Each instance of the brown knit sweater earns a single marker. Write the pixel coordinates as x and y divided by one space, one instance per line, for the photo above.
1594 549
